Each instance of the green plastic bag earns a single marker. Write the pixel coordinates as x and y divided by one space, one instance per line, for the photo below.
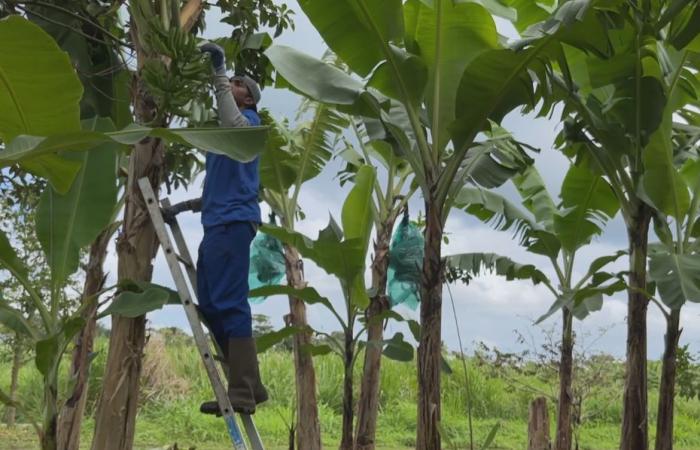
405 264
267 266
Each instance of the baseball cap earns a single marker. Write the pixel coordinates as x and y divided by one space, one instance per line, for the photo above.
252 86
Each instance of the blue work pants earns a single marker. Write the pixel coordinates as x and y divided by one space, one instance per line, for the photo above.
222 280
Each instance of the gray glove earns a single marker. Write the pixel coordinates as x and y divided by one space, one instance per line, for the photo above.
216 54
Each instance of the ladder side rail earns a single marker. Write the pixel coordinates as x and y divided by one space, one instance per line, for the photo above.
252 432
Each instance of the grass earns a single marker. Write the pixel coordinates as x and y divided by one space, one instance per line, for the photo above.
174 383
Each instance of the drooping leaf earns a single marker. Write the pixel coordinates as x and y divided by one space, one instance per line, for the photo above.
9 259
105 82
71 326
316 79
398 349
527 12
492 162
467 265
493 84
317 350
603 261
268 340
677 277
500 80
450 35
308 294
67 223
543 242
411 72
579 304
39 92
564 300
535 196
15 321
589 202
498 8
59 171
582 187
241 144
139 298
587 305
357 30
589 298
495 209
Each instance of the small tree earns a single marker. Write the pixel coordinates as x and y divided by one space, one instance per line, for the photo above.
386 205
558 233
673 267
293 157
341 252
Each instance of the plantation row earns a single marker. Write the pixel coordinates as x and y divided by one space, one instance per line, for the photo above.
412 97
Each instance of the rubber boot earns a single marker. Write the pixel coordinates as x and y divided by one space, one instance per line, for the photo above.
245 388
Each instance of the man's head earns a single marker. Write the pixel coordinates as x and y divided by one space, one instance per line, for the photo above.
245 91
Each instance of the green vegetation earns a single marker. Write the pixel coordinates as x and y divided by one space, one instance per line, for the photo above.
425 86
174 383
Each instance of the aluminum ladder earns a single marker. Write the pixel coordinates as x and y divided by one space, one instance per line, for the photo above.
174 260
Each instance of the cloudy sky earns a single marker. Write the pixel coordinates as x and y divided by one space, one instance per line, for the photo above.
489 309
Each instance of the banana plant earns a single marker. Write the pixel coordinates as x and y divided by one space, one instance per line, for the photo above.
491 163
557 232
618 112
293 157
386 205
673 267
342 252
443 75
65 223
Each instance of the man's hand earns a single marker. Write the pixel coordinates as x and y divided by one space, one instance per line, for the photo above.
216 54
194 205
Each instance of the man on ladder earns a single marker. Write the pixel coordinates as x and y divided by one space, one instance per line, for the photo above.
230 217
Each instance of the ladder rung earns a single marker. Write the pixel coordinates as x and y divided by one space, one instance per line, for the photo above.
179 257
184 261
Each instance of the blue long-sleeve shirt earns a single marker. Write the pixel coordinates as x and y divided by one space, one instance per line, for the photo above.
231 187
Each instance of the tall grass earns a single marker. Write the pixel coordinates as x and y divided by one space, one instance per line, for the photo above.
175 383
